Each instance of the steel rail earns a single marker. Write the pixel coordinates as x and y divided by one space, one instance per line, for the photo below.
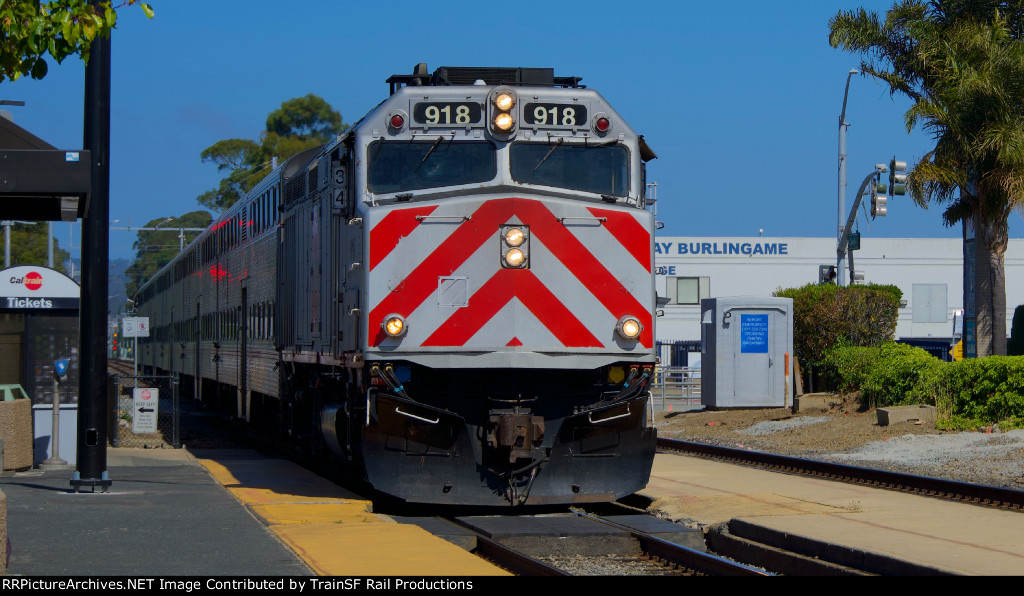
513 560
680 555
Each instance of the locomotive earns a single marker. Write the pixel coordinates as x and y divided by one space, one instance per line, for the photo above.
454 299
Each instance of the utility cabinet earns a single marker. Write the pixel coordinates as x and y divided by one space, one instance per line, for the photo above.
746 352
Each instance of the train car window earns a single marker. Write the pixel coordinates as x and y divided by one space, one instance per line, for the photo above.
602 170
396 166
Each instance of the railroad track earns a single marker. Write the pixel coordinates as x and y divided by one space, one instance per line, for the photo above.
121 367
606 548
933 487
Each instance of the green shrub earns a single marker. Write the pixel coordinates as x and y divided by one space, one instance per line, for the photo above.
845 368
895 375
826 315
979 392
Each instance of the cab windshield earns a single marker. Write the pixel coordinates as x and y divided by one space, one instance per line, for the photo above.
603 170
396 166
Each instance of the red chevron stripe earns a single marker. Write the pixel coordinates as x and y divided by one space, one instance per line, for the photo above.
444 260
470 235
396 225
505 285
579 261
629 232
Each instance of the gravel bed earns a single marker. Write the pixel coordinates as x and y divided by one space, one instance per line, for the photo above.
603 565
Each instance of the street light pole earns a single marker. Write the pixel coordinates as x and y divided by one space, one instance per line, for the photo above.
841 219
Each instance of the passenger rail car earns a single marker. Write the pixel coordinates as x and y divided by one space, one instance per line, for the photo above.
455 298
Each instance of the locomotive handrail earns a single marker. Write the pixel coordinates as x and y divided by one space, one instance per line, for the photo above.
452 217
399 411
590 417
562 220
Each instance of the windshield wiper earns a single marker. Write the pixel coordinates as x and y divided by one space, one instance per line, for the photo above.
548 154
432 147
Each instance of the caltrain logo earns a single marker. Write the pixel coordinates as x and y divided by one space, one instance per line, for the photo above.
32 280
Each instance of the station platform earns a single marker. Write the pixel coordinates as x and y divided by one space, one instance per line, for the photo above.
224 512
897 533
167 513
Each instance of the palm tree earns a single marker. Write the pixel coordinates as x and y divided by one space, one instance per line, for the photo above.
962 64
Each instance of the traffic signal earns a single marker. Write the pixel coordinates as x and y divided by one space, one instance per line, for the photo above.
113 346
878 200
826 274
897 177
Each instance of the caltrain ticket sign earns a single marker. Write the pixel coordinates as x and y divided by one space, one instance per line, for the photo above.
33 288
144 410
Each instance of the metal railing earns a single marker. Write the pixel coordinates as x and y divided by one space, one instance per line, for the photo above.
675 385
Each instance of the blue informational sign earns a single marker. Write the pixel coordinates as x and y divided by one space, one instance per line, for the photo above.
61 366
754 334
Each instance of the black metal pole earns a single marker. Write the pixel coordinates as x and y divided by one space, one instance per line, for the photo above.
92 402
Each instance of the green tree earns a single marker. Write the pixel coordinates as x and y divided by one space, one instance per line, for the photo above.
28 246
299 124
156 248
30 29
1015 345
961 62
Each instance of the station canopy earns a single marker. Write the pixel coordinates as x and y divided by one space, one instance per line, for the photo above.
39 182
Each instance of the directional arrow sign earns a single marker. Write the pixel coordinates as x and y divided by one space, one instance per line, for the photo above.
146 405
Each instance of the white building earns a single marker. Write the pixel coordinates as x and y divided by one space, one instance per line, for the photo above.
929 271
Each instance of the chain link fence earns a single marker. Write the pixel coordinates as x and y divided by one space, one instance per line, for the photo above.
148 412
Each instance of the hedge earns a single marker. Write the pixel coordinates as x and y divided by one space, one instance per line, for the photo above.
971 393
826 315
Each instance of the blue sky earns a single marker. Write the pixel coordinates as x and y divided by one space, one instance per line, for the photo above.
740 104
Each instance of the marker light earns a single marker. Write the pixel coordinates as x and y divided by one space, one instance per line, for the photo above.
629 327
602 125
394 325
514 237
515 257
397 121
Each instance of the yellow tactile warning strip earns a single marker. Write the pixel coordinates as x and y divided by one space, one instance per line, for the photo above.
343 512
334 531
379 549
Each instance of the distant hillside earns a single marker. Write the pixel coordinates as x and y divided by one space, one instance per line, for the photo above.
116 281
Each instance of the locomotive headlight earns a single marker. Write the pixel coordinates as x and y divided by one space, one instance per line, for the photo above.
504 101
514 246
394 326
514 237
503 122
501 110
629 327
515 258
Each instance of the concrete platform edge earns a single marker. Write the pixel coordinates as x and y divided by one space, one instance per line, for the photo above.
831 552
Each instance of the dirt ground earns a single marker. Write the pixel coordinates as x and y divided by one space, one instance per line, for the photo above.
847 427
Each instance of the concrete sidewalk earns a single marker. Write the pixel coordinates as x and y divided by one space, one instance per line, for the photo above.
927 532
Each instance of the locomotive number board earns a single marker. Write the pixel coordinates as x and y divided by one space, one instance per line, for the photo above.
447 113
555 114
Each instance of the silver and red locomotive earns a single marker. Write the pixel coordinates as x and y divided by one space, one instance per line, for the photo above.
455 297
